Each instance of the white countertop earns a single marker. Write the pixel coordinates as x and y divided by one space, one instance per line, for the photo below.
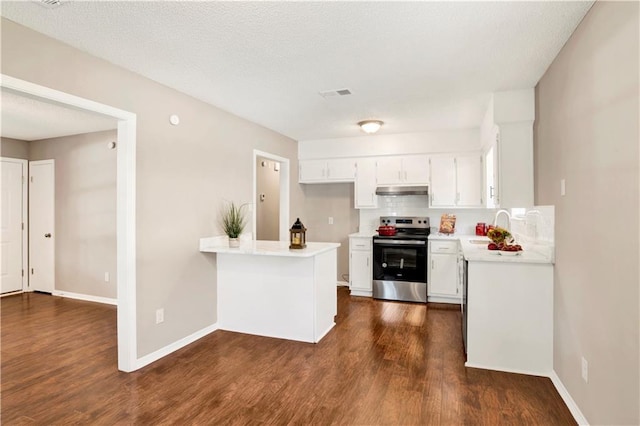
263 248
364 234
479 252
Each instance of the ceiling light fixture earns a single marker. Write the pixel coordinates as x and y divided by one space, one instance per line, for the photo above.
370 126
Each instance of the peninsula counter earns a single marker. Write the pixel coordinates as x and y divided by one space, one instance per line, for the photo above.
264 288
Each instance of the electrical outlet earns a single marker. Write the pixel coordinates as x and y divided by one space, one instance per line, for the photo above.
106 277
585 370
159 315
330 220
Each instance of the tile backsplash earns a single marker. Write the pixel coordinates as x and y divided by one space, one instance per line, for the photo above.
418 205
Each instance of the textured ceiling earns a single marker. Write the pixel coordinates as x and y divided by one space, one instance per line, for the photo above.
417 66
30 119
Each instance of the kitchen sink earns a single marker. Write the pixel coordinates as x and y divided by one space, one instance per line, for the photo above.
479 241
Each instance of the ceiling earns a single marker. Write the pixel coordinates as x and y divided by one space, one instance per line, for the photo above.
418 66
31 119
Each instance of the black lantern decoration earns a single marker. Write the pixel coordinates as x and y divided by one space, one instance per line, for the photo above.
297 235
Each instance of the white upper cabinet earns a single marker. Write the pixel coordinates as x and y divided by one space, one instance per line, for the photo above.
326 171
456 180
469 180
402 170
443 181
365 186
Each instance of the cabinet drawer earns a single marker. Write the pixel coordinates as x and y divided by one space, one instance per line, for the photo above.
444 247
360 244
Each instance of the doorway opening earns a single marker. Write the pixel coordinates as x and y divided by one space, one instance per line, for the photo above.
125 204
267 214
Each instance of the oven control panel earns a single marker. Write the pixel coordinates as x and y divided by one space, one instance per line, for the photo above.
405 222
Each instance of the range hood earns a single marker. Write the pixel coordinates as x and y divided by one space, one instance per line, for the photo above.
402 190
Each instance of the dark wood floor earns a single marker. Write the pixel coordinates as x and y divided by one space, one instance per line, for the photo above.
384 363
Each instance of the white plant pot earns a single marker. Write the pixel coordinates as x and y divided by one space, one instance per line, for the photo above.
234 242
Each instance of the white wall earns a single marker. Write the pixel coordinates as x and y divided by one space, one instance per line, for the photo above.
587 132
390 144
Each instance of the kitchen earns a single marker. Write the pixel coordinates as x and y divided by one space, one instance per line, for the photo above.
166 168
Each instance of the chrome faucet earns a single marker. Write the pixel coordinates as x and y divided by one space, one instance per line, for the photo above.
495 221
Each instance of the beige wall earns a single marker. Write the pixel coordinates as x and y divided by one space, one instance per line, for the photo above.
183 175
85 210
586 132
14 148
331 200
268 210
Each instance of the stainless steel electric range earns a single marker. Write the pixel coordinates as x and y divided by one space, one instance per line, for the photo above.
400 261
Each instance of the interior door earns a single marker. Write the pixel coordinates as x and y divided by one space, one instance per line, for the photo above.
41 226
13 216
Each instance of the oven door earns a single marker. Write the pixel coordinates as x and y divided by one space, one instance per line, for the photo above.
400 260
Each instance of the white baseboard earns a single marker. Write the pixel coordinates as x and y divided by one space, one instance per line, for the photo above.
506 370
343 284
86 297
566 397
162 352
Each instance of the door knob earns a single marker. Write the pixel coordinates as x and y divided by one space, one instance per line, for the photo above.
47 235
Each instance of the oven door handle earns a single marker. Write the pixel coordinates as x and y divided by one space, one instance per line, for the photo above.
400 242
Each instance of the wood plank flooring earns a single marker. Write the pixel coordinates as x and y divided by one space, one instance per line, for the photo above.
384 363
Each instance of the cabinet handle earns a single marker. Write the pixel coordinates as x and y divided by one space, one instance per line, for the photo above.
491 191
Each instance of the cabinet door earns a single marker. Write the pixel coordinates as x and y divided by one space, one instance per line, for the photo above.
415 169
443 181
444 275
389 171
360 270
312 171
469 179
343 170
365 186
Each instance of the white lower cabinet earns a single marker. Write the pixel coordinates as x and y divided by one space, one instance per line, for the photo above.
360 267
443 273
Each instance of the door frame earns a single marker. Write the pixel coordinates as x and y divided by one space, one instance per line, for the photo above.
285 173
125 209
25 220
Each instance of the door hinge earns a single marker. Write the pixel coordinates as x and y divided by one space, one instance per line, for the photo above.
31 179
23 272
23 226
31 271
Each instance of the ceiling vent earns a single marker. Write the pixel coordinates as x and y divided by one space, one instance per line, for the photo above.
333 93
49 4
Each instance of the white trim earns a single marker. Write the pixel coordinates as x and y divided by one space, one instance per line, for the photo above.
162 352
566 397
285 174
342 284
360 293
25 220
126 207
507 370
85 297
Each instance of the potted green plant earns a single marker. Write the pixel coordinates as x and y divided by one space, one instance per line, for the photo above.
233 222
